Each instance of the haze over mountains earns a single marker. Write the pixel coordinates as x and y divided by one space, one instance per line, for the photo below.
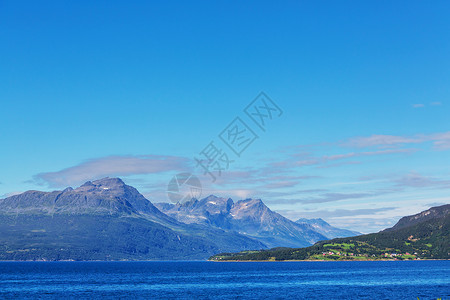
109 220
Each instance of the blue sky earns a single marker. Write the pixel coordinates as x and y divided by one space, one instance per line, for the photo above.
137 90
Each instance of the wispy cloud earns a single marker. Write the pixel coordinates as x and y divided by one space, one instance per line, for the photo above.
380 140
381 144
368 153
339 164
325 214
327 197
332 197
264 178
294 162
10 194
325 160
440 140
420 105
416 180
112 166
281 184
311 191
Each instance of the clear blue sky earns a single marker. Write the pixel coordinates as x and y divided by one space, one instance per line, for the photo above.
136 90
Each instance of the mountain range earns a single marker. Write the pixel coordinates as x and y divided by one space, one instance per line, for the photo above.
252 218
425 235
109 220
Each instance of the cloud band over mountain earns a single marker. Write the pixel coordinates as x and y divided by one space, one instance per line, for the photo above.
112 166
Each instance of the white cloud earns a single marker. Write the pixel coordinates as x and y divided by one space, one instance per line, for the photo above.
113 166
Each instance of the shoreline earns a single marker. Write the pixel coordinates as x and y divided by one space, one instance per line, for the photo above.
320 260
207 260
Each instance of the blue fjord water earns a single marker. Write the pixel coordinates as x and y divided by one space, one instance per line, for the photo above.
229 280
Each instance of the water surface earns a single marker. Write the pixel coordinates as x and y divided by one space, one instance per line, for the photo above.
226 280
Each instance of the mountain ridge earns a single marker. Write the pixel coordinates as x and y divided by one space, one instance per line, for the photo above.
102 212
